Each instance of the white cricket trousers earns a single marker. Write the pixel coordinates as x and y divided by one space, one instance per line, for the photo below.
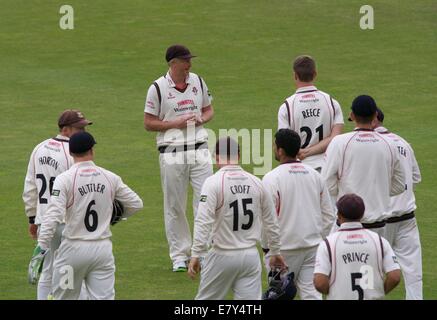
45 280
90 261
223 270
404 238
177 170
301 262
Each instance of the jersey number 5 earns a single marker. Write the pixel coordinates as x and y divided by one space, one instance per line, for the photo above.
234 205
355 286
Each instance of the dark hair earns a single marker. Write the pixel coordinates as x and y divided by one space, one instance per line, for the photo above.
305 68
289 141
227 147
351 207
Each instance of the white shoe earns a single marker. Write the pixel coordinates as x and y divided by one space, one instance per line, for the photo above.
180 266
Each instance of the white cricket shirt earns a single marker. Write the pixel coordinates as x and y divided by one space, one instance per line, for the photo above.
171 103
366 163
48 160
356 261
84 195
234 207
406 201
312 114
303 205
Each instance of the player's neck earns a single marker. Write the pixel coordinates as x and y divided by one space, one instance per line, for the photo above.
288 160
364 125
300 84
226 164
83 159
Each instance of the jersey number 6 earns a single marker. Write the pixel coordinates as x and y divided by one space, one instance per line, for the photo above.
91 227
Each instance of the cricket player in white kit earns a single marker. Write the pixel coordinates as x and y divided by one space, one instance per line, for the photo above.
366 163
355 263
48 160
177 106
401 229
234 208
312 113
84 196
304 210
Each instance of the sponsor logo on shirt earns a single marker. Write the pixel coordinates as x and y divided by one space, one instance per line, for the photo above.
150 104
55 192
298 168
203 198
170 96
308 96
54 143
185 105
355 236
194 91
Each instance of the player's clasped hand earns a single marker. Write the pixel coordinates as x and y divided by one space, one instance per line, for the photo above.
193 267
35 265
277 262
183 121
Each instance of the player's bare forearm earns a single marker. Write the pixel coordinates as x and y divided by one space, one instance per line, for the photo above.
33 231
153 123
322 145
207 114
321 283
392 280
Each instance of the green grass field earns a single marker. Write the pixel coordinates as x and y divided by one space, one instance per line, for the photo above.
245 49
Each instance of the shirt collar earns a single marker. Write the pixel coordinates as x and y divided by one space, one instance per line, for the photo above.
231 167
306 89
381 129
171 83
60 137
84 164
351 225
363 129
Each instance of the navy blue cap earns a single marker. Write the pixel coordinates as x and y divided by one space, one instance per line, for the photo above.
380 115
81 142
178 51
363 106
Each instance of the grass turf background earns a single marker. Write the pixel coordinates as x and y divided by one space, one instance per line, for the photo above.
245 49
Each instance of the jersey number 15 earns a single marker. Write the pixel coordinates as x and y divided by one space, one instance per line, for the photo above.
246 212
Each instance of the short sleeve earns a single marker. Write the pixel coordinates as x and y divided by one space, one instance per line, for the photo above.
390 261
323 263
283 117
206 95
338 117
152 104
